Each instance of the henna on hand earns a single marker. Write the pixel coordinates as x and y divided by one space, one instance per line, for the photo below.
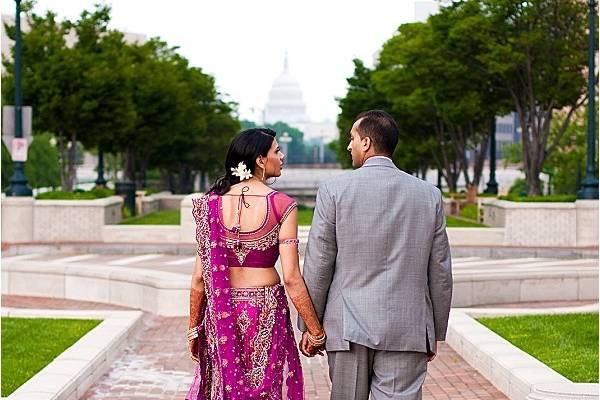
197 300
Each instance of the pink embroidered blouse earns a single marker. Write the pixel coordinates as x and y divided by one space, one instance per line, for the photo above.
259 247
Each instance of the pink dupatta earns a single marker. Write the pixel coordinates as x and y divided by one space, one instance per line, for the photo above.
220 373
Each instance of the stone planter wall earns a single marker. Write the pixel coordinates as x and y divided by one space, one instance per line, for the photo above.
30 220
544 224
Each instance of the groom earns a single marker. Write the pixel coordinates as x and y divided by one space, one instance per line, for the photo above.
378 269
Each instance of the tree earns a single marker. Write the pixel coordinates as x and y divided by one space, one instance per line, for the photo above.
76 91
362 95
536 50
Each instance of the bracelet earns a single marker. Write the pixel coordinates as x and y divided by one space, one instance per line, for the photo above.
192 333
289 241
317 341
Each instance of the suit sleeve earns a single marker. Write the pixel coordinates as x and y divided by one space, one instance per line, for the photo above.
439 273
321 253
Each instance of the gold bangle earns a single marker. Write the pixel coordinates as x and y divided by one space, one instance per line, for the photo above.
317 341
192 333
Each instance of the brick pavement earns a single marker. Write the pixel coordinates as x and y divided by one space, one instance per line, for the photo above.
156 365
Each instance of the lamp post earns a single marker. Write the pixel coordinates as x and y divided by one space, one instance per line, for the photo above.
589 185
284 140
18 182
100 181
492 185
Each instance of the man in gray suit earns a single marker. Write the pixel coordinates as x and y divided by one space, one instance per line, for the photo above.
378 270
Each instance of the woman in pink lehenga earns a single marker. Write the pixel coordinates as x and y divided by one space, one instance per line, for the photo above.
240 328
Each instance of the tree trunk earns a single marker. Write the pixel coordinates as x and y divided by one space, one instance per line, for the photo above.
62 162
129 166
480 155
72 159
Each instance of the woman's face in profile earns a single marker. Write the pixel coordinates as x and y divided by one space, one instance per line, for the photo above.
273 161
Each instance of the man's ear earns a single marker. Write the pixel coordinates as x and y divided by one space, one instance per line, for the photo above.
367 144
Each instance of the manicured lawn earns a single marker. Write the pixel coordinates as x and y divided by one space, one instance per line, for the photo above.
469 211
164 217
555 198
305 215
29 344
76 195
566 343
459 222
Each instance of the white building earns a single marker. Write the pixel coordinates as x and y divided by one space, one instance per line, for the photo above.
286 104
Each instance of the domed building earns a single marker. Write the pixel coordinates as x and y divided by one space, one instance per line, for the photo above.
286 103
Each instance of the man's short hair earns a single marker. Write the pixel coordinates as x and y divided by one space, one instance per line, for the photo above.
381 128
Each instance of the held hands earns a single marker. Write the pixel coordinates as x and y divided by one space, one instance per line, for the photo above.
309 349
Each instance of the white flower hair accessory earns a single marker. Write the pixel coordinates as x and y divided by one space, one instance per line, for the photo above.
241 171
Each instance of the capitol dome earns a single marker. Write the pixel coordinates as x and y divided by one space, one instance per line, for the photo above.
286 103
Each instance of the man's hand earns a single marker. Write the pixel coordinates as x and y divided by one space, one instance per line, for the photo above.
193 349
430 356
307 349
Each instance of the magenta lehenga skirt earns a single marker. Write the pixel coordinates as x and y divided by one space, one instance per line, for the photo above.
270 358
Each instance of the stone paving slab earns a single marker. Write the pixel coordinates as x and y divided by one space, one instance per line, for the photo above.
156 365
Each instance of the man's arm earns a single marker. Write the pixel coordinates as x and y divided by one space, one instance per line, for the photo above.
440 273
321 252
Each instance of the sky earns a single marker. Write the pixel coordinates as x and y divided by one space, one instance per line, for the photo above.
243 43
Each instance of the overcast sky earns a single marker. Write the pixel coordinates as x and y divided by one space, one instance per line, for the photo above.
242 43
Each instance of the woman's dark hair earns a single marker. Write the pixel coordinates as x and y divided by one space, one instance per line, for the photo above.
246 147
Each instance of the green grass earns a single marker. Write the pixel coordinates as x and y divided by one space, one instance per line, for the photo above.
164 217
469 211
76 195
458 222
557 198
28 345
566 343
305 215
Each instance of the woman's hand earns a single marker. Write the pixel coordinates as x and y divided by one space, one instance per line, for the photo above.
193 349
308 349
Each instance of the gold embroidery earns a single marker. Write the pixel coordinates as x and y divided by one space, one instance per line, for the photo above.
243 322
262 341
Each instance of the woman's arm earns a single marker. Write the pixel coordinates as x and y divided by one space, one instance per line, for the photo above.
292 277
197 300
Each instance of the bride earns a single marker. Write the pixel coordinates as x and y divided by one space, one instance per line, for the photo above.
240 329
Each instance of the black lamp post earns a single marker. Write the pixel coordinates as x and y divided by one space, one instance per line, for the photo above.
18 182
100 181
492 185
589 185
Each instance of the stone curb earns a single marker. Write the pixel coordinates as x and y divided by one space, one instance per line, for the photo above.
158 292
514 372
75 370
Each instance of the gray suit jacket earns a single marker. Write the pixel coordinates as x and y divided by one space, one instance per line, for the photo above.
377 263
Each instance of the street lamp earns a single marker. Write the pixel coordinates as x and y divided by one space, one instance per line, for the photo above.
100 181
284 140
18 182
492 185
589 185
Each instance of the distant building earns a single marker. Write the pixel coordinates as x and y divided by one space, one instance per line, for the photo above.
423 9
508 131
286 104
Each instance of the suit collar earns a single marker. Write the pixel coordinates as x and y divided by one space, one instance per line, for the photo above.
379 161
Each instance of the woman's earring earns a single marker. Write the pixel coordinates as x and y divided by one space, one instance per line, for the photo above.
263 176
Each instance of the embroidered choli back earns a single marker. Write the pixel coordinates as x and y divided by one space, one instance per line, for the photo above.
259 247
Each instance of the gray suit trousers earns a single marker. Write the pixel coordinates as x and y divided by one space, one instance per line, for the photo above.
385 374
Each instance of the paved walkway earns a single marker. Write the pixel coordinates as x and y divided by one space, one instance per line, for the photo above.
156 365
